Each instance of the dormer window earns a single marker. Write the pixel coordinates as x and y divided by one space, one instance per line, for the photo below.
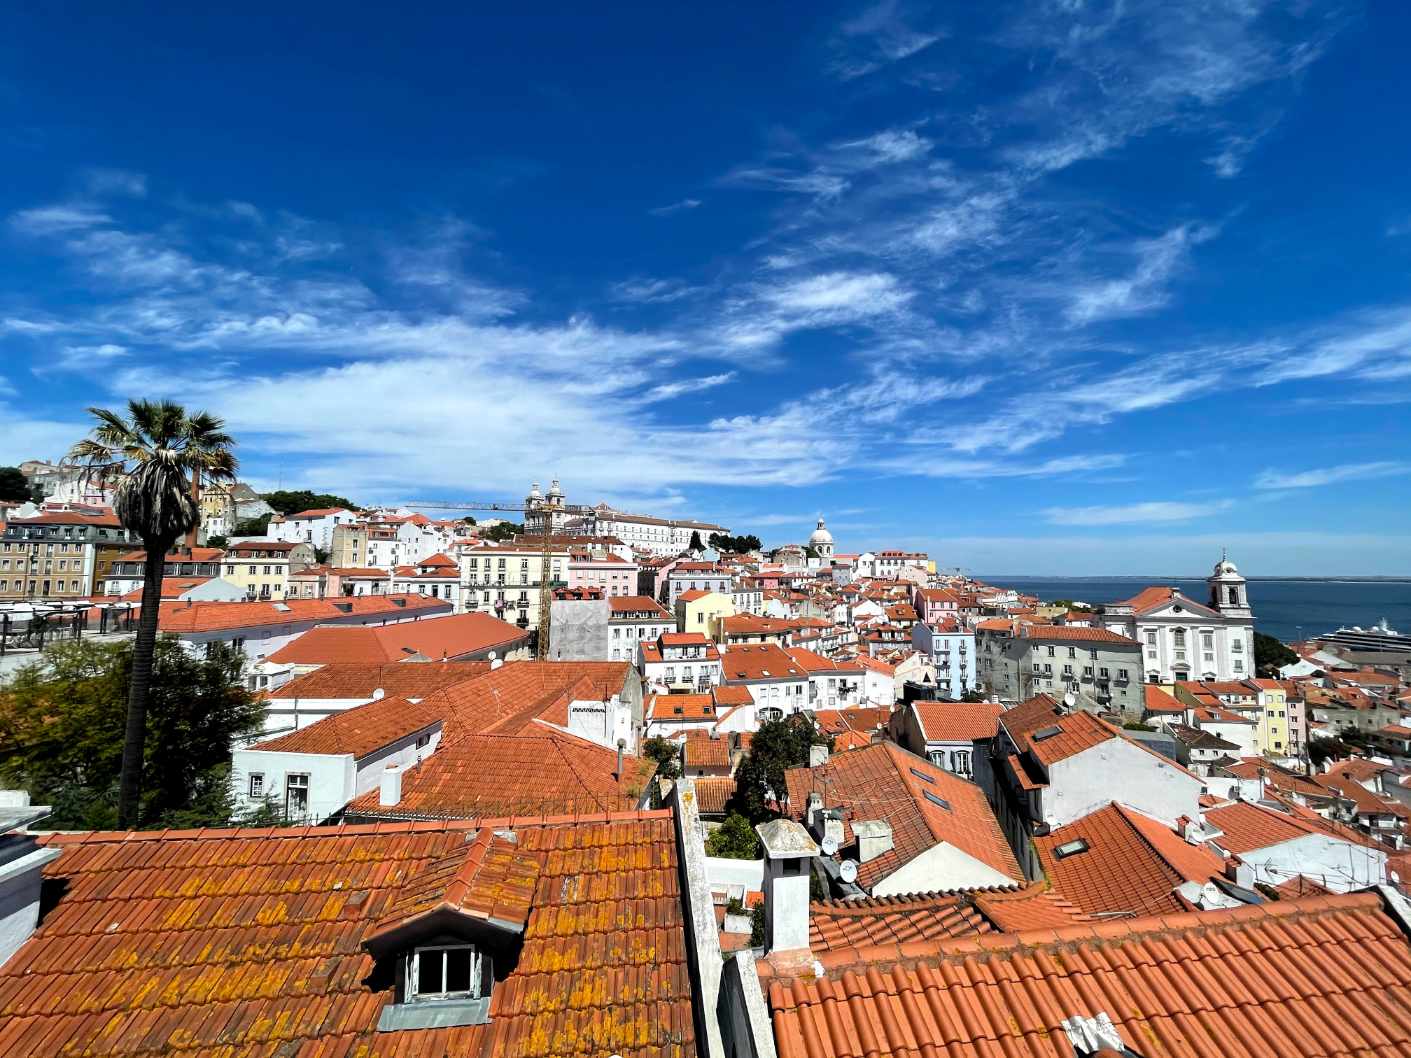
452 971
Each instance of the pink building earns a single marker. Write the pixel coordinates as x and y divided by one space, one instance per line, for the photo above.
616 577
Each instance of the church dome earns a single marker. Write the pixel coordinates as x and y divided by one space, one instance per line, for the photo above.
1226 568
820 535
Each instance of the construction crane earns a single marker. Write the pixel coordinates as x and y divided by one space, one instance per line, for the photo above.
550 506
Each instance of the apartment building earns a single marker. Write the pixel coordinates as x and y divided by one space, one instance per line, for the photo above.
54 554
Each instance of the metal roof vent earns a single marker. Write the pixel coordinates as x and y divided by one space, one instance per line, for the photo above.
1046 732
1091 1036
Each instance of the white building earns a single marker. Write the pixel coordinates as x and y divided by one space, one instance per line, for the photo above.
821 541
633 620
679 661
697 576
951 650
777 684
660 536
1185 640
314 527
504 579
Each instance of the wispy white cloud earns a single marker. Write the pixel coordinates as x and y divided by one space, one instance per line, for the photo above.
878 36
1151 512
1308 479
680 206
56 219
644 291
1144 288
885 148
672 390
817 183
117 182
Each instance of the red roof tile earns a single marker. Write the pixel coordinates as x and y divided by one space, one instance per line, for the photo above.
1131 864
437 639
1323 976
759 661
192 617
360 730
361 681
249 943
958 721
892 920
884 781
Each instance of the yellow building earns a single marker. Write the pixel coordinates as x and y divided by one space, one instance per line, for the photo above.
701 611
1273 721
262 567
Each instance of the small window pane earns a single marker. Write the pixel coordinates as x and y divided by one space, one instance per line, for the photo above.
431 976
458 970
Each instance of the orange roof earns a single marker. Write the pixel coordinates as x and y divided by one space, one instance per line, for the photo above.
172 588
538 771
1131 864
684 639
1149 599
707 753
884 781
958 721
436 638
1076 634
759 661
198 554
726 695
693 595
810 661
625 604
360 730
1245 827
681 707
319 512
866 718
195 617
891 920
1158 701
741 624
1279 980
513 696
355 680
713 793
251 942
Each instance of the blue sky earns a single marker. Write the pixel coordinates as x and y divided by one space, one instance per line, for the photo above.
1045 287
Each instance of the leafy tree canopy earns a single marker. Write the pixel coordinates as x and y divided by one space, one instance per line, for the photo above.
501 533
735 839
696 544
61 733
777 746
667 755
253 526
13 485
292 502
1270 655
734 545
217 541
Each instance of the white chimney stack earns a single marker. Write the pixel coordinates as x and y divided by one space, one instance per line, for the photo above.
21 871
390 789
817 755
788 855
874 837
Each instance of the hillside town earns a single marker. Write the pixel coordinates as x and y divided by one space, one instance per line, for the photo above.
582 781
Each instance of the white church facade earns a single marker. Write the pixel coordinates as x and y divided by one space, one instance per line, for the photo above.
1182 639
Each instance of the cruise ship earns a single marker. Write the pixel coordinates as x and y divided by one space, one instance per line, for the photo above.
1380 637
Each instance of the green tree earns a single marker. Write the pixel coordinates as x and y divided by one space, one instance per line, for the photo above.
777 746
1270 655
734 839
667 755
501 533
156 453
218 541
252 526
13 485
62 721
757 926
975 695
733 545
696 543
292 502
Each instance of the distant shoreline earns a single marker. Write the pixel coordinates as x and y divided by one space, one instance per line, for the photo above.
1000 578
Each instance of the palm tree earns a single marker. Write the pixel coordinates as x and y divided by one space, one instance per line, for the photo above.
156 454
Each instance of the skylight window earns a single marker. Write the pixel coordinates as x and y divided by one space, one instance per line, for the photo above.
939 801
1071 848
1047 732
921 775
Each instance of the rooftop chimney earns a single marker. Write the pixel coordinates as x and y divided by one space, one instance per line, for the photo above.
621 745
874 837
21 864
390 789
817 755
788 851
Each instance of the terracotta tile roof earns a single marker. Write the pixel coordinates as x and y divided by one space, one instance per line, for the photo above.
749 624
437 638
622 605
727 696
538 771
1158 701
1035 906
172 588
1131 864
1076 634
509 698
865 718
193 617
249 943
810 661
1281 980
958 721
318 512
884 781
1298 887
1245 827
707 753
713 792
759 661
1076 732
683 639
359 681
1358 768
1216 714
360 730
693 595
1149 599
197 554
891 920
681 707
1366 802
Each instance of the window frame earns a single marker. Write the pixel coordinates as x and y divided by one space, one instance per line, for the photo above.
476 981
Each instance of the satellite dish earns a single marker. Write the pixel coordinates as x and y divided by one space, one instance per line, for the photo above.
848 870
1070 700
830 846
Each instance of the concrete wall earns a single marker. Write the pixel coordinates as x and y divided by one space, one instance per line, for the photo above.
578 629
941 867
1116 770
332 779
1333 863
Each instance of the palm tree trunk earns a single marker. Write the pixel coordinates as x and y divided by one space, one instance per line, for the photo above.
196 497
143 648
